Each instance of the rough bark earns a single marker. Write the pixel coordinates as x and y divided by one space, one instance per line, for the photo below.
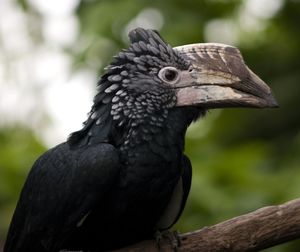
263 228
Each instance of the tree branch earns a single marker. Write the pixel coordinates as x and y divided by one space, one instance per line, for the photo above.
263 228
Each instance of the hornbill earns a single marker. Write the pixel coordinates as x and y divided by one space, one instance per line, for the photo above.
124 175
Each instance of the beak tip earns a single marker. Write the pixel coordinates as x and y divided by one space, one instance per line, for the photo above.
271 102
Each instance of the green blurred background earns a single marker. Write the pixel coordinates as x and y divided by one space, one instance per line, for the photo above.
51 53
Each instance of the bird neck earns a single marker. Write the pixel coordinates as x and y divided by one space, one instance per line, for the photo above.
159 138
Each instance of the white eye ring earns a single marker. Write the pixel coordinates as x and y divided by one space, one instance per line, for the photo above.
169 75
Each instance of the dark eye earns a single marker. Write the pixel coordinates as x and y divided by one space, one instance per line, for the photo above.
168 74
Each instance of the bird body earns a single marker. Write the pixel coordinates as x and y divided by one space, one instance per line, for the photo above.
124 175
133 195
142 191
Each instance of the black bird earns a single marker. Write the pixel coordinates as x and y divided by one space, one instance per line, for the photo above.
124 175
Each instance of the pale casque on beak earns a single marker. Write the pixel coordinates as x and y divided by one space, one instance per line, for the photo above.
218 77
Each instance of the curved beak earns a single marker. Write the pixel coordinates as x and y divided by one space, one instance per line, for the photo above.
220 78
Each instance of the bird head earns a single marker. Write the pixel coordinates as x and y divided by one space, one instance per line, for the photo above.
150 78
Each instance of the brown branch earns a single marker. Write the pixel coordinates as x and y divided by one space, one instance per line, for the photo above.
263 228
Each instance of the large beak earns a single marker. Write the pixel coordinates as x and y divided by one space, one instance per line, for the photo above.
220 78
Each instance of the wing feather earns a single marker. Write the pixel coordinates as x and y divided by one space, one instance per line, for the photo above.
62 187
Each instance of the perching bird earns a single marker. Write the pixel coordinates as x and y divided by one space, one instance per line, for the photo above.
124 175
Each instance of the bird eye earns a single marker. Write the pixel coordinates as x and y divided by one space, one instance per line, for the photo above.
169 74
